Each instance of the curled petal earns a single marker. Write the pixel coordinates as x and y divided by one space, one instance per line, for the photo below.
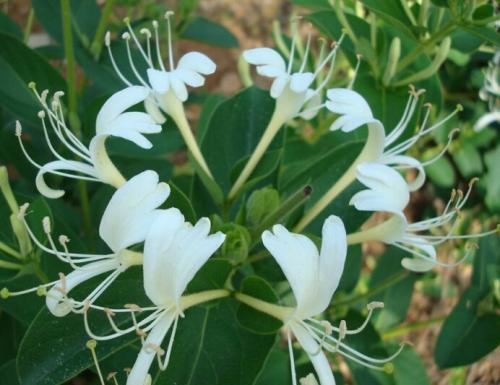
191 78
279 85
348 102
118 103
301 81
56 296
197 62
179 88
132 209
60 165
265 56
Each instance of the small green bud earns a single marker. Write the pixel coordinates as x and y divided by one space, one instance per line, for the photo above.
236 246
392 61
260 204
4 293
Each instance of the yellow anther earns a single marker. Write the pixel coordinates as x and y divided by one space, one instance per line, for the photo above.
389 368
41 291
91 344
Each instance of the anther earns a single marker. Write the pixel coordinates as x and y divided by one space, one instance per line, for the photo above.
375 305
32 85
4 293
428 105
91 344
459 108
155 24
43 96
327 326
107 39
126 20
359 56
146 32
109 312
473 181
41 291
308 380
63 239
453 133
342 330
62 279
126 36
389 367
46 225
111 376
140 333
22 210
19 129
168 14
133 307
155 348
471 246
41 114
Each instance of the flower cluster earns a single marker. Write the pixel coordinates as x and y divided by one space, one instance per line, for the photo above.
139 232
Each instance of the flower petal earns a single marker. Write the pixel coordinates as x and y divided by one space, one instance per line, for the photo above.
348 102
191 78
140 370
198 62
55 298
279 85
298 258
132 209
118 103
177 249
301 81
179 88
153 110
319 360
159 80
265 56
60 165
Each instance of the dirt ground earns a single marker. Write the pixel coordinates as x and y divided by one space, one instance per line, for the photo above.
251 22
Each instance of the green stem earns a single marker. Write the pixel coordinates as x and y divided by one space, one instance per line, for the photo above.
29 25
190 300
70 67
402 330
85 207
10 265
96 46
10 251
421 48
385 284
280 312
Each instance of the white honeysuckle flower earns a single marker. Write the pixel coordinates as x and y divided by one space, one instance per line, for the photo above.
127 219
168 87
419 239
314 276
294 92
174 251
355 112
387 189
94 163
491 94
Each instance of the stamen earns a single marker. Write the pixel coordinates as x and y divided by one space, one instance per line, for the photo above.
112 375
137 42
292 360
147 32
170 344
168 14
126 37
356 69
107 40
306 52
157 42
91 345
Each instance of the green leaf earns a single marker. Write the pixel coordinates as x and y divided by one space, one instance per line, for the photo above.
466 336
9 26
441 172
20 65
486 263
234 130
393 13
397 297
491 180
179 200
468 160
252 319
8 373
409 369
208 32
212 349
485 33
